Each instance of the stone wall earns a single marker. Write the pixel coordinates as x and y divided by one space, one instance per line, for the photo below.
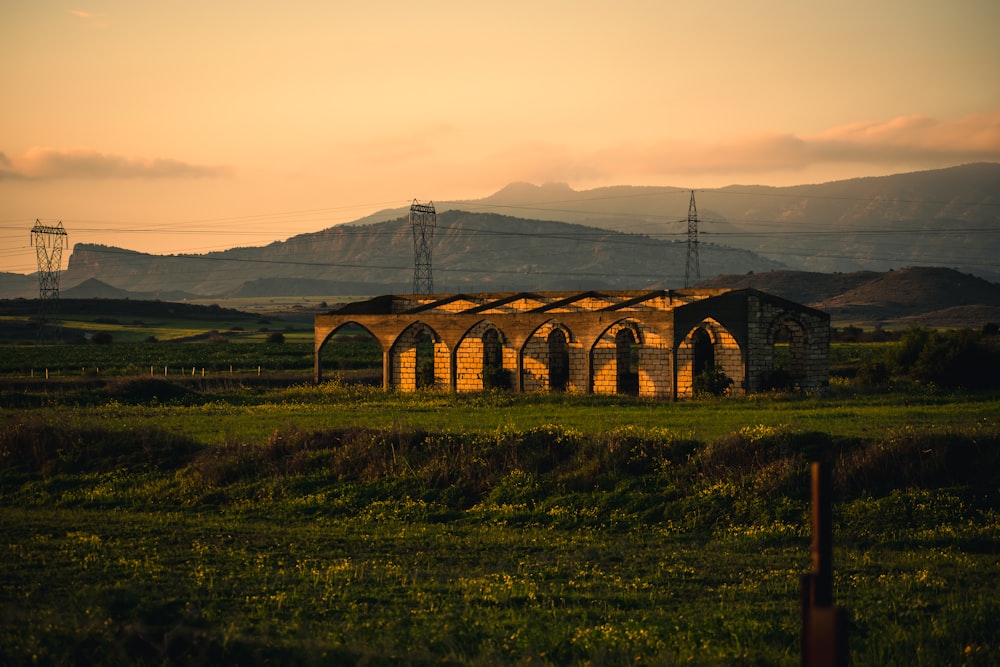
744 328
808 334
726 352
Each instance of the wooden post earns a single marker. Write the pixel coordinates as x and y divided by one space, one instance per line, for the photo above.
823 637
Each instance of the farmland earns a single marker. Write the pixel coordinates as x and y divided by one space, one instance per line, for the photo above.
189 518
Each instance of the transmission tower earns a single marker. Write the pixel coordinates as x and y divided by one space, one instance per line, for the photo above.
49 242
423 220
692 270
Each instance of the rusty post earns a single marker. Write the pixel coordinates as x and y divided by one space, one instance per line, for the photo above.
822 535
824 627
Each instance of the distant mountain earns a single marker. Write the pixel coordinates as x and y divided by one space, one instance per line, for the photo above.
18 286
471 252
95 289
919 295
552 237
931 297
943 217
297 286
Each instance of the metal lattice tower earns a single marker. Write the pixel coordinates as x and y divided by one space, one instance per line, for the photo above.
49 242
423 220
692 269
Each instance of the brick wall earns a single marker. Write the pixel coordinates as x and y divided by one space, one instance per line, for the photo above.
741 325
728 357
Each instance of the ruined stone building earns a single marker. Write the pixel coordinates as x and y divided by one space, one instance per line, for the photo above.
647 343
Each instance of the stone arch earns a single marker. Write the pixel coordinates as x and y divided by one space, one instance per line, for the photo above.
550 359
709 345
615 359
702 351
419 359
484 358
785 354
558 360
351 350
627 361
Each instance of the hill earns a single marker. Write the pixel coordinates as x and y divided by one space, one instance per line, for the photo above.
932 297
472 252
916 295
942 217
550 237
93 288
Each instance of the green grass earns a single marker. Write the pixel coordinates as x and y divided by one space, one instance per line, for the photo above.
334 524
131 322
217 410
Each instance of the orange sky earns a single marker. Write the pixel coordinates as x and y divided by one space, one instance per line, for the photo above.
191 126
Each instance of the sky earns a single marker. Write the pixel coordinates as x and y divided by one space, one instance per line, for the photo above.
197 125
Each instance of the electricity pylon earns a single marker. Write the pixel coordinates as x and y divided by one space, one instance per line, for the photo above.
49 242
423 220
691 269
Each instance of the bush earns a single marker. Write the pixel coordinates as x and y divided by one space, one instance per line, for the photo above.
102 338
495 377
777 380
276 337
712 382
425 374
874 372
948 358
910 346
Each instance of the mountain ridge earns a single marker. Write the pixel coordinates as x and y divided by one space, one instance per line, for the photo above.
617 237
927 296
914 296
472 252
939 217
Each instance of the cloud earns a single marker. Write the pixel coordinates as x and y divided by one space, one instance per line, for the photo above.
416 143
903 140
899 143
88 19
55 164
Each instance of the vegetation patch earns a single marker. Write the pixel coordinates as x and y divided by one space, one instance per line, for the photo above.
237 520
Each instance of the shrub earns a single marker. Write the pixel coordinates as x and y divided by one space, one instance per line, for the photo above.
712 381
910 346
40 448
425 374
956 359
495 377
947 358
874 372
102 338
276 337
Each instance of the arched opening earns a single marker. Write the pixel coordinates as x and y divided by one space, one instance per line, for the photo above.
425 359
703 351
352 355
558 360
627 362
495 376
709 362
414 359
788 354
492 349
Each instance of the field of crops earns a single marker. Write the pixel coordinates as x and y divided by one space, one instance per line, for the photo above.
168 520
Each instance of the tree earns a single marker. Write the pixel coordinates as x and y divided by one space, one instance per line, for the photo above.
102 338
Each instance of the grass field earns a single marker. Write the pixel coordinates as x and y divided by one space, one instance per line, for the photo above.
227 521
